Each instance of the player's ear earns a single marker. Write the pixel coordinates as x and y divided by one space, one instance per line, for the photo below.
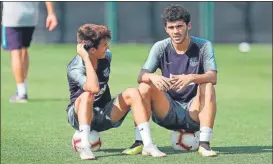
189 26
92 50
165 27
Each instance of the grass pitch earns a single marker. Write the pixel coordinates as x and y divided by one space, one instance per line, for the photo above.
38 132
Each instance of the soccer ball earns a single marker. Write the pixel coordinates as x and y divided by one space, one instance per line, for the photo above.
94 138
244 47
185 141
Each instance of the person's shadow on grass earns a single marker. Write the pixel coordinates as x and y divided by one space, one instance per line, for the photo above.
243 149
165 149
219 150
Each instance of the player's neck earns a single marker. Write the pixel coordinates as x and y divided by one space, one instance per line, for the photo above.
94 62
181 48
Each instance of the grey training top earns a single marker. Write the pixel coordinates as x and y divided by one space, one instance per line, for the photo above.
76 76
198 59
20 14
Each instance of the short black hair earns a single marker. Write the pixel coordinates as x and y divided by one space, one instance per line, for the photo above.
174 13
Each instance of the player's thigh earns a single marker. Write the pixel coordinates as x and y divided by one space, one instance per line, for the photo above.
169 118
73 109
177 117
72 117
160 102
102 117
12 38
121 105
193 108
77 104
191 116
86 98
27 33
192 113
196 103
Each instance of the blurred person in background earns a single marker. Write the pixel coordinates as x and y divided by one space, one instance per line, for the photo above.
245 46
18 24
183 97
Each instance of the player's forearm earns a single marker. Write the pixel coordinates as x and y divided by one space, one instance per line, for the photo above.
208 77
92 83
144 76
50 8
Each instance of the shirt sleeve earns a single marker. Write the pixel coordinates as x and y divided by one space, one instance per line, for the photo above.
108 55
153 60
209 61
76 72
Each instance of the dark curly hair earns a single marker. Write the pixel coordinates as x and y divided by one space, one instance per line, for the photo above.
92 34
174 13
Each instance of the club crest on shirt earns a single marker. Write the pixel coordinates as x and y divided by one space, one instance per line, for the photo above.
106 72
193 61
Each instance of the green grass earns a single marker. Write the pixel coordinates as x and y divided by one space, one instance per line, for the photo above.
38 132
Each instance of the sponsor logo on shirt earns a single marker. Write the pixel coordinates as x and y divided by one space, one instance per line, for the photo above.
106 72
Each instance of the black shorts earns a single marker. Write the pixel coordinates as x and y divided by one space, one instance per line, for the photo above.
178 117
16 37
102 118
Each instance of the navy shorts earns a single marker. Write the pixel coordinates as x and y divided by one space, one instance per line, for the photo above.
102 118
178 117
16 37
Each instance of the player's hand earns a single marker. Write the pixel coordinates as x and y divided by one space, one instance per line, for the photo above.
51 22
179 82
81 51
161 83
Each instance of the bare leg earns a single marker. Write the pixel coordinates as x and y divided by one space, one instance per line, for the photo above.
203 110
84 111
155 100
25 61
208 110
131 97
203 107
83 108
17 66
17 70
151 95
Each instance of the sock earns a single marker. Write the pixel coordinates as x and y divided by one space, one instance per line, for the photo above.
137 134
25 82
205 134
205 145
145 133
84 130
21 89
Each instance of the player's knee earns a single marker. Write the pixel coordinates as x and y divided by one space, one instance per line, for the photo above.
144 89
131 94
87 97
148 88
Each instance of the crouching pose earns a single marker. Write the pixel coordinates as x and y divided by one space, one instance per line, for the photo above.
183 97
91 105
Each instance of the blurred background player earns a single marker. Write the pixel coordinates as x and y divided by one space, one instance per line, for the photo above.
18 23
91 105
183 97
245 46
